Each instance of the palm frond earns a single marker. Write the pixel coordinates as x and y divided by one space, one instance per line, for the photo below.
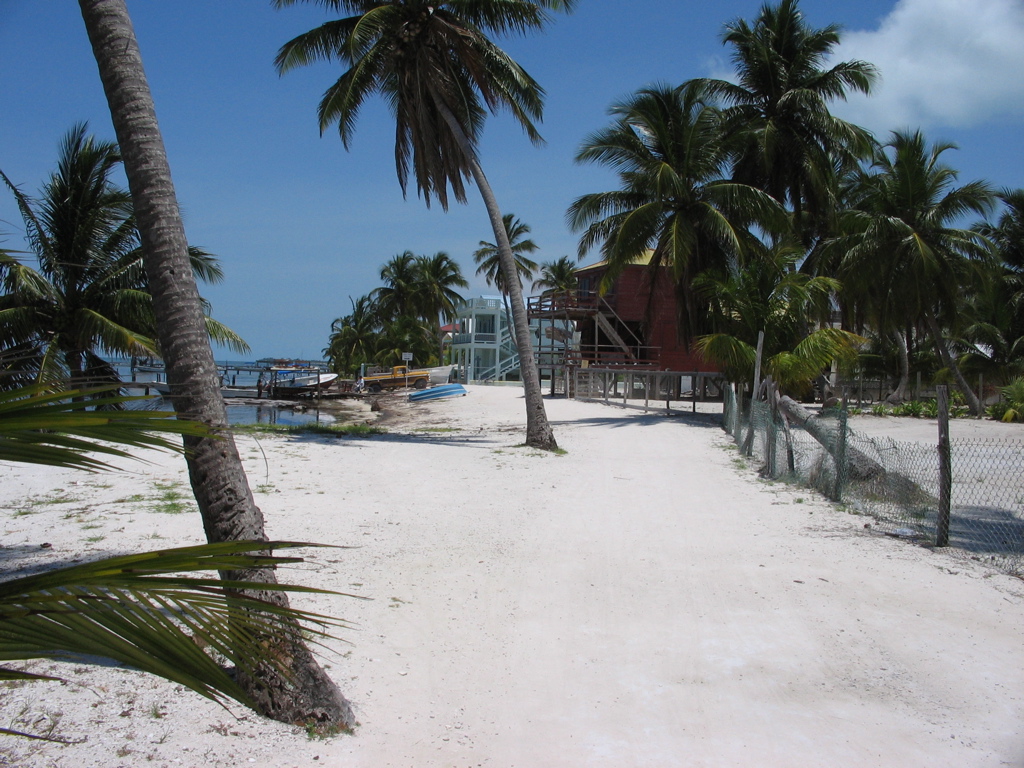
64 428
139 610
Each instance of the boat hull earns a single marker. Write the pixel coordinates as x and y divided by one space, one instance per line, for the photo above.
438 393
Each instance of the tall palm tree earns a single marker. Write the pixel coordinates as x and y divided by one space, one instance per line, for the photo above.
785 139
440 275
90 294
901 252
668 148
215 468
488 260
440 73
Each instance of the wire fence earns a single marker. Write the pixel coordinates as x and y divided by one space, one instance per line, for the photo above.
979 512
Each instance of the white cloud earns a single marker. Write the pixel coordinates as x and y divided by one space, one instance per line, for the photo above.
942 62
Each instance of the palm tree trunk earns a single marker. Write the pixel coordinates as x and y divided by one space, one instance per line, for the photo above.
973 403
900 393
215 469
538 430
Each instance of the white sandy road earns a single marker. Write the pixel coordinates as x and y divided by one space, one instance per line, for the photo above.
639 601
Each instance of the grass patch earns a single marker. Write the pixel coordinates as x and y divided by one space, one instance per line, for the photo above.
170 500
326 430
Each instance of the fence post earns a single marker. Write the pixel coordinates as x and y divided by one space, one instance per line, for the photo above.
772 433
945 468
840 456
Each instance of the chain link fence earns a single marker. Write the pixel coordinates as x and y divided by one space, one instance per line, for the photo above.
980 513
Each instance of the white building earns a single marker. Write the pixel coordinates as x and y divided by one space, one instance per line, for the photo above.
482 344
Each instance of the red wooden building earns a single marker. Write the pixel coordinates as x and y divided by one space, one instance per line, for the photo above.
625 326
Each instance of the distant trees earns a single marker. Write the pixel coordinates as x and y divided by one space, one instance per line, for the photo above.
770 214
405 314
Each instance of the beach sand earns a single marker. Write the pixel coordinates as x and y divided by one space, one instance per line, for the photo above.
642 600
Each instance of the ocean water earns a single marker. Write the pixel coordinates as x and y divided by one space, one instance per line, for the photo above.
241 413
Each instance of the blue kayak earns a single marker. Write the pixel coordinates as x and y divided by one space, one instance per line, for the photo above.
438 393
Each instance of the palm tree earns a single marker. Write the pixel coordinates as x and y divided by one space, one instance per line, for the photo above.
766 293
440 73
399 296
786 140
439 276
138 609
557 278
994 327
901 255
488 260
667 146
90 294
354 338
215 468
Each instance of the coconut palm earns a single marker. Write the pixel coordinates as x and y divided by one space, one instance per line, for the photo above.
994 331
215 468
90 294
488 260
767 294
439 275
399 295
785 139
667 147
901 253
440 73
557 278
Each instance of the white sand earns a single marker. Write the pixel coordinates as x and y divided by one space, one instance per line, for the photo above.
643 600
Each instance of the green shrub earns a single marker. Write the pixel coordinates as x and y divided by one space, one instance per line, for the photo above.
1013 393
880 409
998 410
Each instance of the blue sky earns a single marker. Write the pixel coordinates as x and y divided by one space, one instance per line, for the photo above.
300 225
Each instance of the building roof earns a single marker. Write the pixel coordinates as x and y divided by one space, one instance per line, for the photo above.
642 261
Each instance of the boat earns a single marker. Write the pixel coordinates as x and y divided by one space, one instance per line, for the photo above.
300 383
163 389
441 374
438 393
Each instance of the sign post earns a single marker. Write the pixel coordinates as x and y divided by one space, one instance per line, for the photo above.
407 358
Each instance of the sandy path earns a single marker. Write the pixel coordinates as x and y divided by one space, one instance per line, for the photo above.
643 600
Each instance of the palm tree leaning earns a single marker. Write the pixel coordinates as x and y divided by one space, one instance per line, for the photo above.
900 252
218 479
784 139
667 145
440 74
89 295
488 259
